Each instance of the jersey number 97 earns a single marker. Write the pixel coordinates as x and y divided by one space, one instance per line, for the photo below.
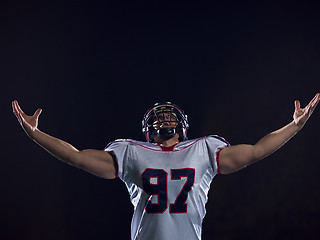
155 181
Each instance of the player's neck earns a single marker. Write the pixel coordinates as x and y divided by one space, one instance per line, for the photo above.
167 143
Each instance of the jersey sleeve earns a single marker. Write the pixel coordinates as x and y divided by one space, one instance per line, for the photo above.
215 144
118 149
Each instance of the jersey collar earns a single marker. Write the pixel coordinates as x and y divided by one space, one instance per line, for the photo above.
167 149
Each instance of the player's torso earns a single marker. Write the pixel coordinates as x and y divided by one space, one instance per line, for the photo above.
167 188
171 183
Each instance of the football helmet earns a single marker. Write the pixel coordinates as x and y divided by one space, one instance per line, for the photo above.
165 112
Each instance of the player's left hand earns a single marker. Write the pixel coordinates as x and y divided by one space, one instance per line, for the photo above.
301 115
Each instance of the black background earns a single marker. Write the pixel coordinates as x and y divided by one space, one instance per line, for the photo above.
95 67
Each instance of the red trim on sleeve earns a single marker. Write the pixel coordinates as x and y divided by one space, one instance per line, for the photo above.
217 160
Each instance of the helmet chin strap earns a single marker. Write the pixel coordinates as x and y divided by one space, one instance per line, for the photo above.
166 133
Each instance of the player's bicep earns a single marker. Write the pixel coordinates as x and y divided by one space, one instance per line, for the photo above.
235 157
97 162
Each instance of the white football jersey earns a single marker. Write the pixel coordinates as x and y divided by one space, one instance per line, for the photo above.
168 187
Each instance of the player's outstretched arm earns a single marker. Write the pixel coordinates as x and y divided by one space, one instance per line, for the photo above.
236 157
96 162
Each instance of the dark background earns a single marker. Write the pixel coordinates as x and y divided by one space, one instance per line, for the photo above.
95 67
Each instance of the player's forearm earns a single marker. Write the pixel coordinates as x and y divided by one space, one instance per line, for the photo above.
58 148
238 156
274 140
99 163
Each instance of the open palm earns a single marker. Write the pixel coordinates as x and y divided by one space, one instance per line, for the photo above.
301 115
28 123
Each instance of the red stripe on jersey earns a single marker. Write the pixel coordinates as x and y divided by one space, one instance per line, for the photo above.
168 147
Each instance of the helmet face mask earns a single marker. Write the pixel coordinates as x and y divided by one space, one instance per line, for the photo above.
165 120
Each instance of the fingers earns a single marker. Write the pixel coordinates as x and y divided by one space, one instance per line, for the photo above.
297 104
18 106
16 111
14 108
314 102
37 113
308 110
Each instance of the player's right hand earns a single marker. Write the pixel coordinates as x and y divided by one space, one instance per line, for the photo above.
28 123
